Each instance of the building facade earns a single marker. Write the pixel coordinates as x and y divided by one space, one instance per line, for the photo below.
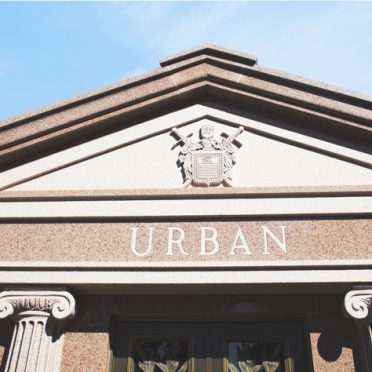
212 215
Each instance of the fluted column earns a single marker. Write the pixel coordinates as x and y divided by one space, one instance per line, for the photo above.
358 306
38 333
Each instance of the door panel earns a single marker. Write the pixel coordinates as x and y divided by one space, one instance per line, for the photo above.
164 346
208 347
258 347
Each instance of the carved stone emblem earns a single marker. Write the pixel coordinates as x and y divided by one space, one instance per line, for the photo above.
208 161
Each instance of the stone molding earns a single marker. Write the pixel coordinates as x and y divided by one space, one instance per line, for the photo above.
358 304
201 75
173 208
59 304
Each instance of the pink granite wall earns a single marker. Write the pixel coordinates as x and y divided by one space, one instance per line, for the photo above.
86 345
86 352
107 241
332 337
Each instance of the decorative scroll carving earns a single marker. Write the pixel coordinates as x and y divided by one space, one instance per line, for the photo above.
208 161
358 303
60 305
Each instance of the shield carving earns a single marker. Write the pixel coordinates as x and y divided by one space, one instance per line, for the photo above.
207 161
207 167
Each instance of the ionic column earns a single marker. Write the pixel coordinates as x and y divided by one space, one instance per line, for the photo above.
358 305
38 333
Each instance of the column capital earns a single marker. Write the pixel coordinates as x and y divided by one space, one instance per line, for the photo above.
358 304
59 304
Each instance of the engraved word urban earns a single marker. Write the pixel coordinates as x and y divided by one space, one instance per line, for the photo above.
208 241
208 161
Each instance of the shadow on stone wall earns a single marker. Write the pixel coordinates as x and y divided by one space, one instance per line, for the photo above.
337 342
6 330
99 317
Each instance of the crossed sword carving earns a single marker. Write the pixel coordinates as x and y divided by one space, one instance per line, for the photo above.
232 138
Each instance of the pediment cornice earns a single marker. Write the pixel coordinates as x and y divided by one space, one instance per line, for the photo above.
206 73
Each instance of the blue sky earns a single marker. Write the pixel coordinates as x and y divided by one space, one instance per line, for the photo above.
55 50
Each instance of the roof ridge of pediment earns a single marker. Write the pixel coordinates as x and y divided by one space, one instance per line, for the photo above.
201 71
174 62
205 53
211 50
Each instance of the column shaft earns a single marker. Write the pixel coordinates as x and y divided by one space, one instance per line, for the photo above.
358 304
37 339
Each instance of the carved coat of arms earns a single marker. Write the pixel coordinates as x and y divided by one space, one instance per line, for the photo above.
207 161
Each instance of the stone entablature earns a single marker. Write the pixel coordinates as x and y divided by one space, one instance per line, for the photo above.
241 240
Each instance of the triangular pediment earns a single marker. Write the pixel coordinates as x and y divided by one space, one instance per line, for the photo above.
146 156
295 132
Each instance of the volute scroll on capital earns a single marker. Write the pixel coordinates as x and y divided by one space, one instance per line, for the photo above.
358 304
59 304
